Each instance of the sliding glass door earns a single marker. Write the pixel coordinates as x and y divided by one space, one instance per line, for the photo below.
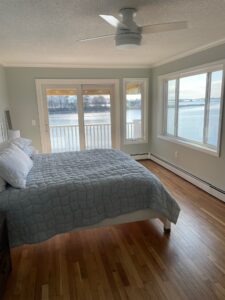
78 117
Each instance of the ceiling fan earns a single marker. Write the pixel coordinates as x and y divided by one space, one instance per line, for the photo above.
128 33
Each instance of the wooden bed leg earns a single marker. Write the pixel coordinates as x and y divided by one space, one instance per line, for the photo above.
166 226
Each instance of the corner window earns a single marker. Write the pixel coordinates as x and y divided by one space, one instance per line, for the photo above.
135 110
193 108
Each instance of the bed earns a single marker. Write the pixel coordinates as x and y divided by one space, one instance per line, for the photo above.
73 190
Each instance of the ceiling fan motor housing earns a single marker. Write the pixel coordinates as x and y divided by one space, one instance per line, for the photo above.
129 35
128 40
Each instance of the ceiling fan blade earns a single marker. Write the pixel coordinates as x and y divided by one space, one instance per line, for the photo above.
164 27
112 20
96 38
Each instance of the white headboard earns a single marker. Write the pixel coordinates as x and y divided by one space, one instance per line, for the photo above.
3 127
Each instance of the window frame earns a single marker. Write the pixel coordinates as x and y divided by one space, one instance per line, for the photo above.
163 91
144 111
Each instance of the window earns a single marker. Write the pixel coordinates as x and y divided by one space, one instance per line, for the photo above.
135 110
193 104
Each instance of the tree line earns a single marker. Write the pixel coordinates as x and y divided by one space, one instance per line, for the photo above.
98 103
61 103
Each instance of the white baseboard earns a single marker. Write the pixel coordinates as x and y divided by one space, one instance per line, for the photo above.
187 176
140 156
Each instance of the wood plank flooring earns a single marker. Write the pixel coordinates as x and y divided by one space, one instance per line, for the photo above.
131 261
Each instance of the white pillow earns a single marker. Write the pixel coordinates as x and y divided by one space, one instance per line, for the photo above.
21 142
30 150
2 184
14 166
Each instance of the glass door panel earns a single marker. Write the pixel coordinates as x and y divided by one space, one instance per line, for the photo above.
97 116
63 123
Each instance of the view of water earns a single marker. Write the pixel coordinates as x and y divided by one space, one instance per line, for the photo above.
190 120
90 118
96 136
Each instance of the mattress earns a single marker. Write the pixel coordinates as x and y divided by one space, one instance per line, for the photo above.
68 190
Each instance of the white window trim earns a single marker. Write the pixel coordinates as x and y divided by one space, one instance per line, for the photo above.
143 140
161 92
41 84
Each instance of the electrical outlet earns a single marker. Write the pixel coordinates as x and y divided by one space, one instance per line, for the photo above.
176 153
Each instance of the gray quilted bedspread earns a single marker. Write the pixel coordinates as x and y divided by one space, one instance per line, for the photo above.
74 189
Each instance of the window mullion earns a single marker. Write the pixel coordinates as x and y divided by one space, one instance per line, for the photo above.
176 108
81 116
206 112
165 106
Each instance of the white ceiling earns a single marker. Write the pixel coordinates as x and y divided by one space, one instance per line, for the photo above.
39 32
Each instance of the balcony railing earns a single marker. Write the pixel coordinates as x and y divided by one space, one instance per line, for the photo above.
98 136
66 137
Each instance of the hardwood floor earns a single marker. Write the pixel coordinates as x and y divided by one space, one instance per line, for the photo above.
131 261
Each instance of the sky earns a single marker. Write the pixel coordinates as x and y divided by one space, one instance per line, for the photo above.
194 87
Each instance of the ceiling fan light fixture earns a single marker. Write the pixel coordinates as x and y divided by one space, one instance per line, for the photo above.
127 46
128 41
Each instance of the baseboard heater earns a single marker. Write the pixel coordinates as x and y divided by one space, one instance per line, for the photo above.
204 185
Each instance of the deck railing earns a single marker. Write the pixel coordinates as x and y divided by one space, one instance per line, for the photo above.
66 137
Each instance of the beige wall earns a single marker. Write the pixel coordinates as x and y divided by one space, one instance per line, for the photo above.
22 94
4 103
205 166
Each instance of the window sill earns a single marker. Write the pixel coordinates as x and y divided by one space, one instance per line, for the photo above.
190 145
